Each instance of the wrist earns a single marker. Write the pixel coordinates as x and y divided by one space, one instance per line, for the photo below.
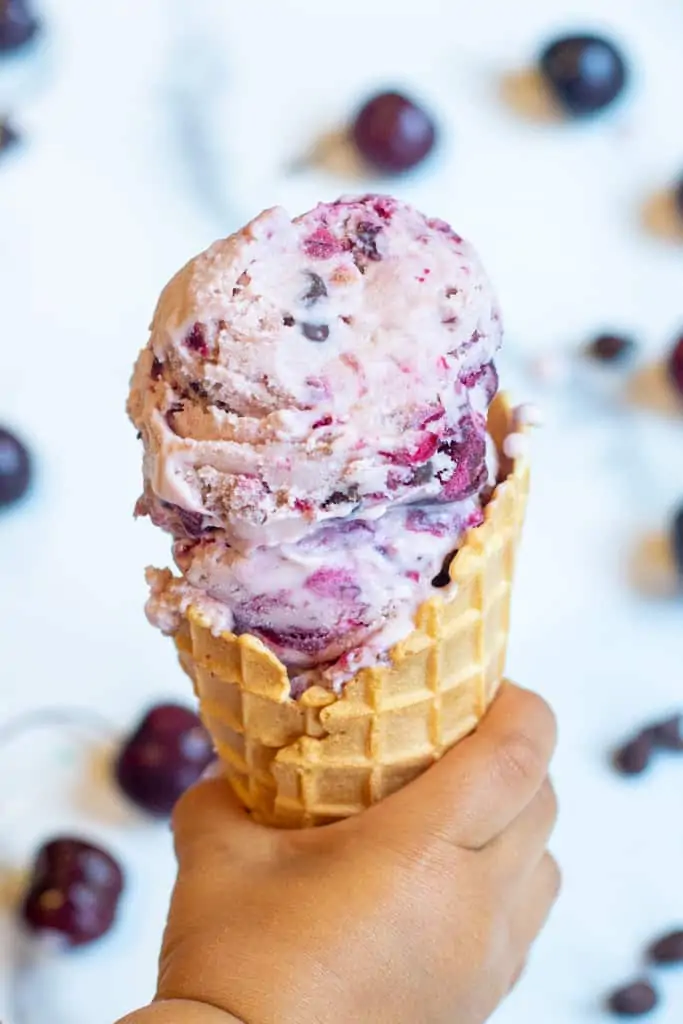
180 1011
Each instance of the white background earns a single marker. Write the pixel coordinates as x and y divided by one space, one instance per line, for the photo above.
152 128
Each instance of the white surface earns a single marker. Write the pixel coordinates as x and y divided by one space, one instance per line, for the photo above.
153 128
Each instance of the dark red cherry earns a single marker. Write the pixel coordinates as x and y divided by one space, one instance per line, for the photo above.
74 891
393 133
634 1000
586 73
611 348
167 753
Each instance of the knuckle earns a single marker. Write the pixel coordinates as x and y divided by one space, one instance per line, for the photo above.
519 758
428 857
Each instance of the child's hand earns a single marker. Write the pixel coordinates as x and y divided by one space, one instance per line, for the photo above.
421 909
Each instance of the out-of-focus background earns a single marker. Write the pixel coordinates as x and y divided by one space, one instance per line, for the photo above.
149 130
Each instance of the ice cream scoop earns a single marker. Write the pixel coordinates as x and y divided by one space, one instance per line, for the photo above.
305 370
312 403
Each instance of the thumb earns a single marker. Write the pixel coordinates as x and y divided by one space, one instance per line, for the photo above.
210 821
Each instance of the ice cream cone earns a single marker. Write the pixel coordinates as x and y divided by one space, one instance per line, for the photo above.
322 757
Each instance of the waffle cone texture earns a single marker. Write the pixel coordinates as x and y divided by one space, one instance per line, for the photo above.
322 757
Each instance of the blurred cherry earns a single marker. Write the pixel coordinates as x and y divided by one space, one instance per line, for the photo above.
168 752
74 891
15 468
18 26
675 365
585 73
393 133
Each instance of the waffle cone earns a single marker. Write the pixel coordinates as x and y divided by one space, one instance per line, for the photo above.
322 757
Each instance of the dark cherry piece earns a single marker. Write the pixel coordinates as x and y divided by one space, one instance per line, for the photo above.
197 341
393 133
315 290
365 242
608 348
443 577
348 497
422 474
675 365
15 468
667 735
74 890
18 26
634 1000
310 641
586 73
316 332
634 757
166 754
667 950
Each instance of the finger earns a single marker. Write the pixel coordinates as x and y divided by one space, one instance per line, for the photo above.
473 793
533 907
518 850
517 976
209 819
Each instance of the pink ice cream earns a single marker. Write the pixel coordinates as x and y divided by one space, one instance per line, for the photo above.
312 403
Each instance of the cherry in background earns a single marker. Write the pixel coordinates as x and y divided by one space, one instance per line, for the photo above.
73 891
667 950
18 25
15 468
635 1000
635 756
675 365
585 73
611 348
168 752
393 133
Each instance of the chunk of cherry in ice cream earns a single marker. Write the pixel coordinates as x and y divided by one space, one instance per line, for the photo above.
172 518
166 754
73 892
